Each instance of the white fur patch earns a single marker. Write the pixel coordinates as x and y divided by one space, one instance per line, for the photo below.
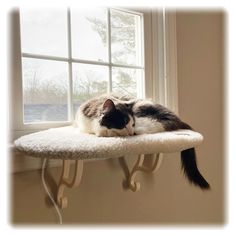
85 124
144 125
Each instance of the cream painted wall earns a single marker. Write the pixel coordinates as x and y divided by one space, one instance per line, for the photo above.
166 197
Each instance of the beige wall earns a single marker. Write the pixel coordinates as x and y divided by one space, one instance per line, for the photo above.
166 197
200 38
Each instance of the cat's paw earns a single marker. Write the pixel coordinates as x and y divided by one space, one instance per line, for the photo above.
102 133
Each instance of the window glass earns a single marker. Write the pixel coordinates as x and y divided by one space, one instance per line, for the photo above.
88 81
89 34
45 90
44 32
125 81
125 38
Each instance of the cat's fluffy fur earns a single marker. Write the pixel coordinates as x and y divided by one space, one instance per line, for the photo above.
93 117
114 115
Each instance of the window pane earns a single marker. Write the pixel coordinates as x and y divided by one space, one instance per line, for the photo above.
45 90
127 81
89 34
88 81
44 32
125 38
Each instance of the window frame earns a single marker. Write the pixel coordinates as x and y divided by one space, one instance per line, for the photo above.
159 65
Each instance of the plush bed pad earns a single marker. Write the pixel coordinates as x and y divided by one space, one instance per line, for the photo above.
69 143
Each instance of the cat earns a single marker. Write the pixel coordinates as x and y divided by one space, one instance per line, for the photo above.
113 115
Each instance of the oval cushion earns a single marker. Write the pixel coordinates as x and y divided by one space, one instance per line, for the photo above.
68 143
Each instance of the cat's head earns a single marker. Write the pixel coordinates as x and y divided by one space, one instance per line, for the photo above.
117 119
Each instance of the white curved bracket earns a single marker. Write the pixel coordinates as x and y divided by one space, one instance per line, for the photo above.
64 181
135 186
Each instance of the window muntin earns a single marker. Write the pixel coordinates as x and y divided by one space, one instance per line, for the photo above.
99 69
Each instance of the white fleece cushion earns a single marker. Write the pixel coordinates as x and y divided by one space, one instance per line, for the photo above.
69 143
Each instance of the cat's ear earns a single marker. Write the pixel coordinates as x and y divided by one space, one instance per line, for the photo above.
108 106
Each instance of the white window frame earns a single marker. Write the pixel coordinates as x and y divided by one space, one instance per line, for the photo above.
160 66
165 59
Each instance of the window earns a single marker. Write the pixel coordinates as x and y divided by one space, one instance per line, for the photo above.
69 56
60 58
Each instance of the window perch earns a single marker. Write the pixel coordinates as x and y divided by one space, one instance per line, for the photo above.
67 143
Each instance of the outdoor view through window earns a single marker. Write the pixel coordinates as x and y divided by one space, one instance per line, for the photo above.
69 56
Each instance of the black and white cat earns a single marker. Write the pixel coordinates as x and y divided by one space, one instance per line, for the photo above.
112 115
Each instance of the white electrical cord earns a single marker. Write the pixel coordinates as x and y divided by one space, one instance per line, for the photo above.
47 191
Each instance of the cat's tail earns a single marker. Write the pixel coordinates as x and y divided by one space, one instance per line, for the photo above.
189 166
